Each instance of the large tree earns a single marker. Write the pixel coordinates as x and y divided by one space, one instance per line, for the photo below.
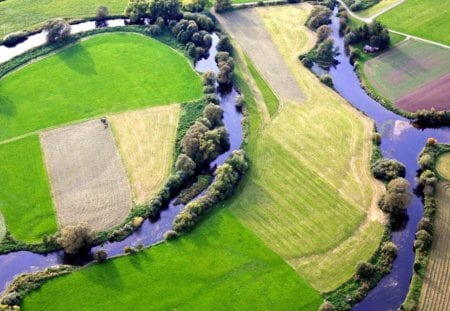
75 239
57 30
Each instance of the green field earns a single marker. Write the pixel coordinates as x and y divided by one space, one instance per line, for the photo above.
406 67
377 8
25 198
106 73
18 15
443 165
427 19
219 266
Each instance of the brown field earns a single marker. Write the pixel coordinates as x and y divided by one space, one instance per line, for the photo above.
146 140
87 178
263 52
435 295
435 94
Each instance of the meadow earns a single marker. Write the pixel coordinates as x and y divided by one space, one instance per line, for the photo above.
25 199
18 15
79 82
378 7
221 265
303 195
427 19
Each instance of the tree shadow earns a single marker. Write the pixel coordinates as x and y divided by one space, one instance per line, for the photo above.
7 106
78 59
110 279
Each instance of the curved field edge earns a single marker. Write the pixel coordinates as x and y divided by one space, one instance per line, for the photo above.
75 80
283 199
443 165
221 265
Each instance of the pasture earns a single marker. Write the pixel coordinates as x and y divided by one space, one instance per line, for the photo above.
88 180
18 15
443 165
427 19
309 190
102 74
435 294
146 141
25 197
377 8
221 265
407 67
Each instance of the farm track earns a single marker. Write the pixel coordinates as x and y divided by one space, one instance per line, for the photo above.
435 295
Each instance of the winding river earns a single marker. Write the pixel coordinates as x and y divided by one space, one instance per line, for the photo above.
401 141
14 264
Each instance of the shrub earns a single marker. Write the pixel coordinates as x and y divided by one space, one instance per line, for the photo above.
426 161
364 271
136 10
137 222
325 53
100 256
307 62
423 241
428 178
397 197
185 164
240 101
57 31
327 80
153 30
222 5
214 114
194 5
12 299
226 67
203 21
389 252
224 45
376 138
425 224
101 13
388 169
15 38
170 235
326 306
76 238
431 141
323 32
319 16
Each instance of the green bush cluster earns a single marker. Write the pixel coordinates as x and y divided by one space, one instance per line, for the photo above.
431 117
138 10
227 177
376 34
319 16
397 197
222 5
388 169
226 68
186 195
193 32
359 5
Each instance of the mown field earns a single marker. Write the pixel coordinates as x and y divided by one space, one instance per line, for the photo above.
383 4
18 15
309 187
25 199
408 66
443 165
81 82
427 19
221 265
146 141
435 294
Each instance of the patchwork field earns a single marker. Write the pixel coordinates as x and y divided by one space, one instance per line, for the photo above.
88 180
423 18
146 140
309 190
80 82
25 198
219 266
406 68
435 294
18 15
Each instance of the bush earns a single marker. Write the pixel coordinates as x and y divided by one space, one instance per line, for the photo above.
426 161
397 197
319 16
364 271
185 164
101 13
423 241
425 224
325 53
153 30
203 21
214 114
76 238
307 62
323 32
12 299
170 235
388 169
194 5
327 80
15 38
57 31
428 178
240 101
100 256
326 306
376 138
431 141
226 68
224 45
389 252
222 5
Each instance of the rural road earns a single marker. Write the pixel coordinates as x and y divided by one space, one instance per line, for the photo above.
370 19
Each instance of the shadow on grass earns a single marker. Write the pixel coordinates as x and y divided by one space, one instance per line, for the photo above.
108 276
7 107
78 59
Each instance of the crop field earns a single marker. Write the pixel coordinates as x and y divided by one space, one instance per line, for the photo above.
18 15
25 197
71 84
221 265
407 67
303 196
435 294
89 182
443 165
422 18
146 140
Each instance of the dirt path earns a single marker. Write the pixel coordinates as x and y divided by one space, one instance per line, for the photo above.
246 27
435 293
88 180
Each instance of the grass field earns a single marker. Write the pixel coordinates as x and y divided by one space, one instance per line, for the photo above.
102 74
443 165
219 266
406 67
303 195
25 199
428 19
2 227
146 140
435 294
377 8
18 15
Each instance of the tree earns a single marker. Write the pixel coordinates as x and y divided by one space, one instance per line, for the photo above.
101 13
136 10
388 169
325 53
57 30
224 45
326 306
100 256
214 114
194 5
364 271
423 241
397 197
222 5
323 32
320 15
76 238
185 164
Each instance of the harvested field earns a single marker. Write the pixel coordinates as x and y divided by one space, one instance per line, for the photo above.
435 294
309 190
408 66
146 141
443 165
435 94
263 53
89 183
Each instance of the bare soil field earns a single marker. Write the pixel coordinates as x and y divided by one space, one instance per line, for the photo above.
262 51
88 180
146 140
435 295
407 67
435 94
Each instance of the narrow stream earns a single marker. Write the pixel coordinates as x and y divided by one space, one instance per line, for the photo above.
401 141
13 264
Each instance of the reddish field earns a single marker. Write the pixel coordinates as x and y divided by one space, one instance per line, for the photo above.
435 94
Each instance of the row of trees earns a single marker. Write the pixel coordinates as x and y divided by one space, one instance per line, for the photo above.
319 16
375 33
138 10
